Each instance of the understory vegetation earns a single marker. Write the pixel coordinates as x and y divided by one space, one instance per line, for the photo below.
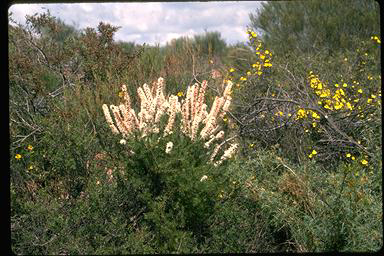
273 145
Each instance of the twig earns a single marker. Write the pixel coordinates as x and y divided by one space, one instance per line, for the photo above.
50 240
25 137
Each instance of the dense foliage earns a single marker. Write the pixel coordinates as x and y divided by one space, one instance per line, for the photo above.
306 175
308 26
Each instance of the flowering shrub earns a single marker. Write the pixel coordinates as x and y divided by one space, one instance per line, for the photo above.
262 61
328 116
196 122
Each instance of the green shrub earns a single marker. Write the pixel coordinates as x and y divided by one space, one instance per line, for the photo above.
316 209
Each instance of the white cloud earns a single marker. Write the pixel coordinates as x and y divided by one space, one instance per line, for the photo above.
153 22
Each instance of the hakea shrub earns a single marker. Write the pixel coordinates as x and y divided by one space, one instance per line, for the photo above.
196 122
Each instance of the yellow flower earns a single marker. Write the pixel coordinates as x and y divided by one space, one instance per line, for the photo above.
18 156
327 106
231 70
266 52
310 156
30 167
180 94
336 85
225 119
259 73
338 105
353 158
315 115
243 78
364 162
319 102
373 96
325 93
301 113
369 100
360 91
345 85
29 147
248 73
251 145
348 155
280 113
262 56
314 152
254 65
314 124
267 65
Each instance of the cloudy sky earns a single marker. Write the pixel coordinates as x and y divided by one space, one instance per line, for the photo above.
153 22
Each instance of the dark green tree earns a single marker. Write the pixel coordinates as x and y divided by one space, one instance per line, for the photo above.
315 25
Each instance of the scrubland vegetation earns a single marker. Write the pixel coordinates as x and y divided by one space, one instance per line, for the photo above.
273 145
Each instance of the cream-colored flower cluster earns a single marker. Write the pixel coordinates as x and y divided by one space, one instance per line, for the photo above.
196 121
152 108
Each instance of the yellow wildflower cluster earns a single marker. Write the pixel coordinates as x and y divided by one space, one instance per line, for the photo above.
349 155
302 113
263 56
194 115
332 101
313 153
363 160
376 39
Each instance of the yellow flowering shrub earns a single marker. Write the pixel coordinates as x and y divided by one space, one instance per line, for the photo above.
326 110
261 61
